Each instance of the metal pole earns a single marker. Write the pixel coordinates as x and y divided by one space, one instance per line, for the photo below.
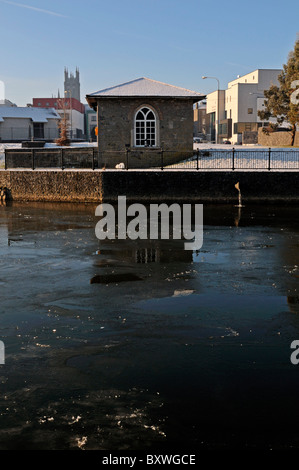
162 159
93 159
33 158
269 160
233 167
197 158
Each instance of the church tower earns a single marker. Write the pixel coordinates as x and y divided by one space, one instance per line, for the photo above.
72 84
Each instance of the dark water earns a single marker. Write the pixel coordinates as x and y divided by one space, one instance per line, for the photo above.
180 350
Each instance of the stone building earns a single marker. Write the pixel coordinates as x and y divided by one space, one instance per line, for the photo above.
144 122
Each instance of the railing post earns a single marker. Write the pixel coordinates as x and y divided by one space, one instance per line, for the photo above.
233 158
5 160
269 159
197 158
162 159
127 159
33 158
61 158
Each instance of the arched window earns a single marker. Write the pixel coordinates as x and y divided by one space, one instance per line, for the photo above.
145 128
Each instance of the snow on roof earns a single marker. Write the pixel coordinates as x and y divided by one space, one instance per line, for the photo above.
146 87
35 114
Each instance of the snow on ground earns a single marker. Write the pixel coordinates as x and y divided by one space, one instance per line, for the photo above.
245 157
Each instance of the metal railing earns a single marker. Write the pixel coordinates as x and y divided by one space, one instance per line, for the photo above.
216 159
63 158
157 159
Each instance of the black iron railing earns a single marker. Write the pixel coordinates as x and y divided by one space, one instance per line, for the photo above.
231 159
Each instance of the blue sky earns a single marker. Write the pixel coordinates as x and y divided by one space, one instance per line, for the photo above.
119 40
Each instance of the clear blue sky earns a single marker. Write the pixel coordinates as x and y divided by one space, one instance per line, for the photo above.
113 41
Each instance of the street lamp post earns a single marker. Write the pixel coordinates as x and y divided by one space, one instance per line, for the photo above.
71 117
217 120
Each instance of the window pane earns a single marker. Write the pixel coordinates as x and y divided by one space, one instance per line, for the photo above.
140 116
150 115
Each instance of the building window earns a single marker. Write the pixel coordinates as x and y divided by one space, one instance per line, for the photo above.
145 128
38 130
250 110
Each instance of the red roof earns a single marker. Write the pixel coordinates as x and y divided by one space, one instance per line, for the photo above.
59 103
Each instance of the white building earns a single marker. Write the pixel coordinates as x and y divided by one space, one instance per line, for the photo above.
26 123
239 104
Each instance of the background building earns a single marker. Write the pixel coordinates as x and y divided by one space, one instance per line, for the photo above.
69 104
73 109
72 84
201 119
26 123
90 124
239 104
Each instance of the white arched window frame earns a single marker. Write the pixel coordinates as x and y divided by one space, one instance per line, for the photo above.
145 128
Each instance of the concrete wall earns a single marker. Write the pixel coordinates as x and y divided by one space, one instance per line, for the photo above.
116 128
276 139
151 186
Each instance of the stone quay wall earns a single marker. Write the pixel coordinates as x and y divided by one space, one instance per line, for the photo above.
151 186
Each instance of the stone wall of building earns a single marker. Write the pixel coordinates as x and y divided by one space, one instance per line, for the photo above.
276 139
250 138
116 130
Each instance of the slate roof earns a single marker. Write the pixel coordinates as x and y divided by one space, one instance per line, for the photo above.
145 87
35 114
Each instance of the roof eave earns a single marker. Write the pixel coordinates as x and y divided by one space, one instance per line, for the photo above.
92 99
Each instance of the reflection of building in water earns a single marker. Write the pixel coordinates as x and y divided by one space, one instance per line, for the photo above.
145 251
147 255
163 265
293 303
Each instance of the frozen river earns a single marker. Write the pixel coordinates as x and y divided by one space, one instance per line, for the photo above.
123 345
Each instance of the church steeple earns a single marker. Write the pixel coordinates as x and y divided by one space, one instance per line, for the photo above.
72 84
